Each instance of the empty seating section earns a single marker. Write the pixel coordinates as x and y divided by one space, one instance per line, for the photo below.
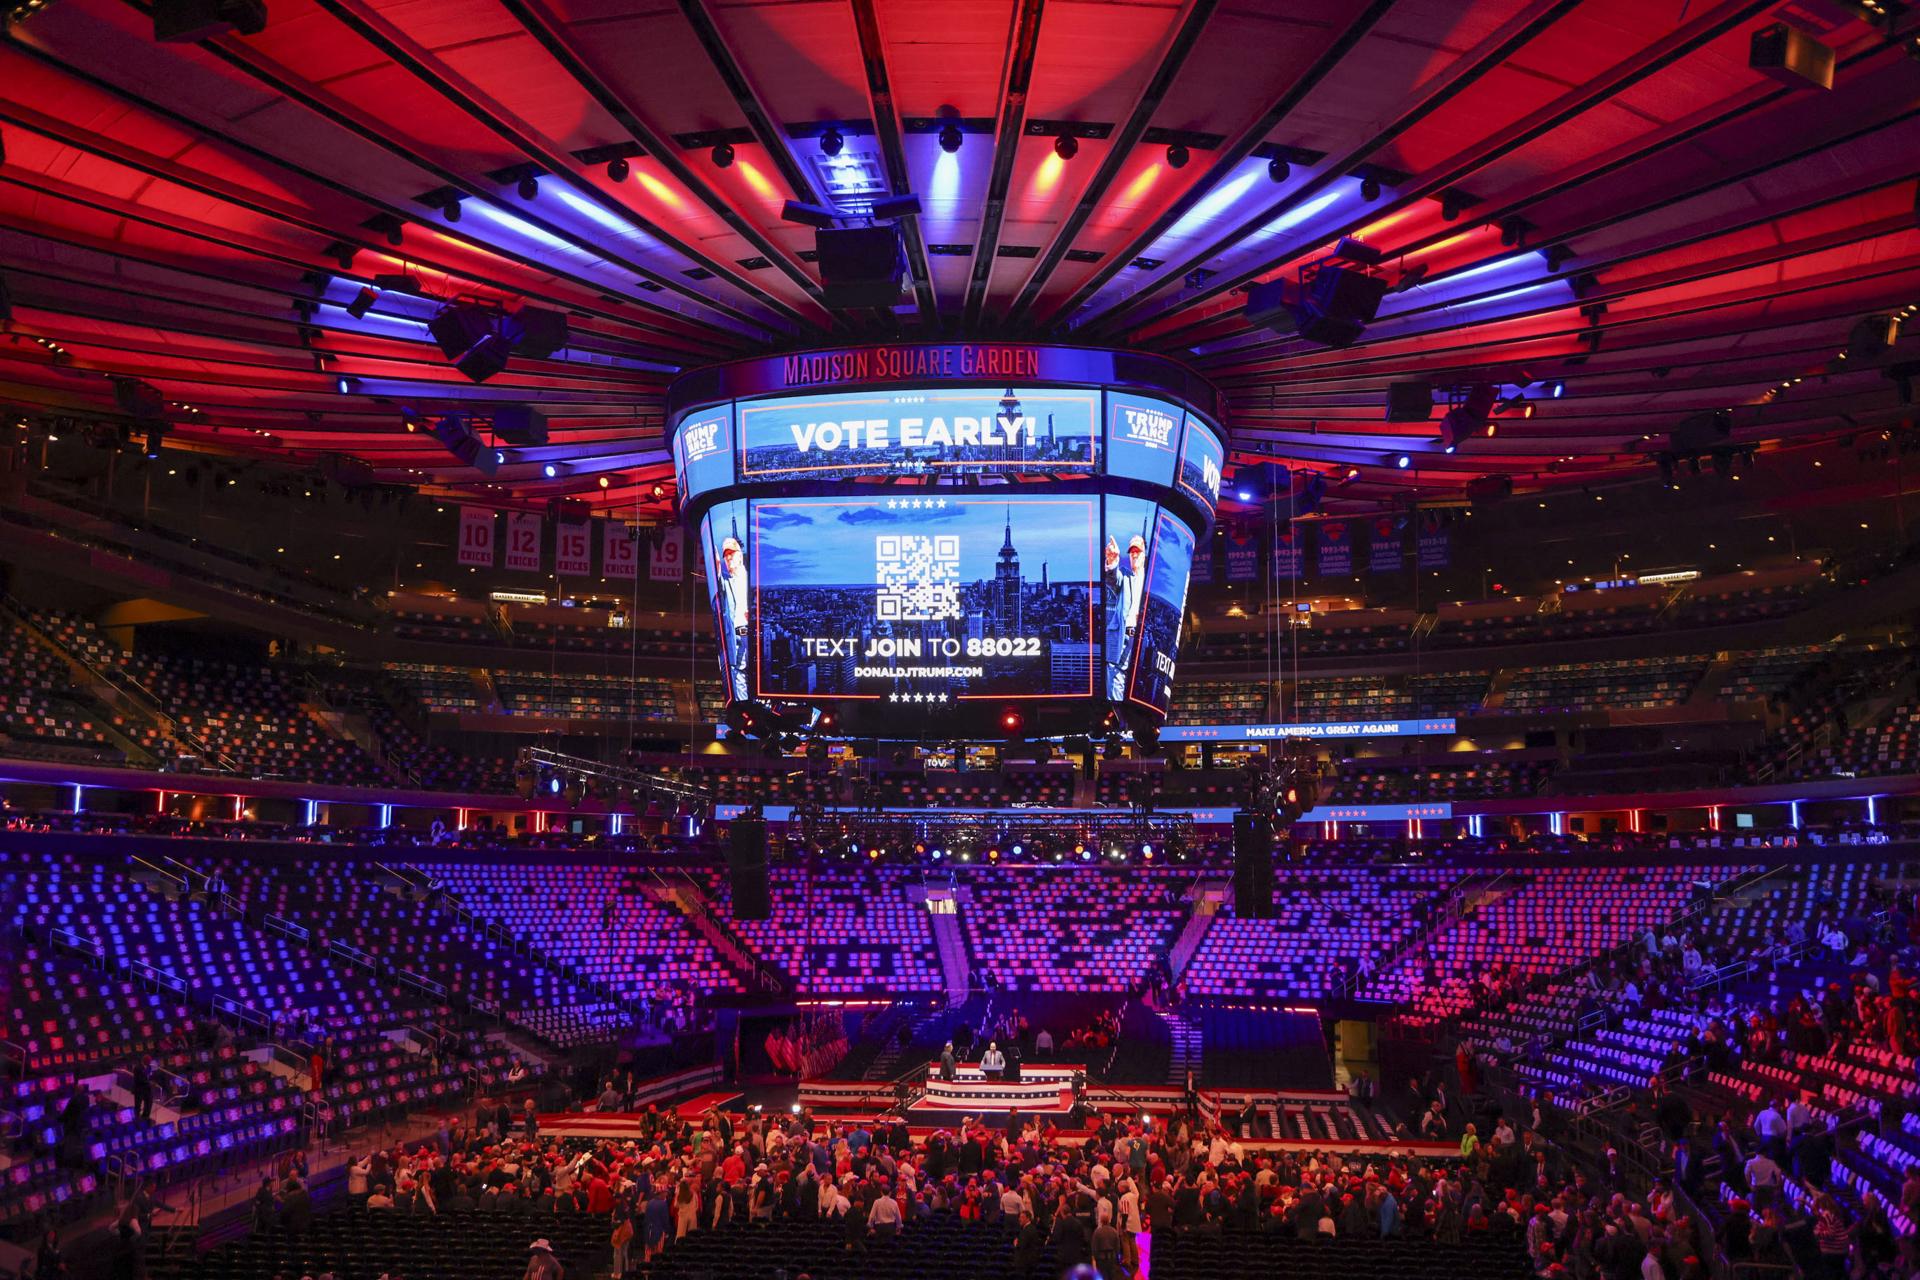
1346 698
1327 924
36 716
447 689
585 697
1762 673
843 931
1537 922
63 1012
184 941
1627 684
1219 701
1888 745
346 902
1071 929
356 1242
1375 782
600 919
1449 693
1720 608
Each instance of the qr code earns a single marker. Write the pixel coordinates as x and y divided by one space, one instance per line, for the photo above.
919 577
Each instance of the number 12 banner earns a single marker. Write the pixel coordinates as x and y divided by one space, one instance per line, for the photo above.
523 541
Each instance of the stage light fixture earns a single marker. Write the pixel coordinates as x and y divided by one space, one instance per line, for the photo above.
451 210
362 303
1012 721
605 482
951 138
658 492
156 438
722 155
832 141
1399 461
819 216
1066 146
346 385
1278 170
1369 189
1177 156
528 187
618 169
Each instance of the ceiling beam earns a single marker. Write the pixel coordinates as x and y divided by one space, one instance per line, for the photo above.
1591 92
1119 151
1224 164
1023 40
886 127
544 27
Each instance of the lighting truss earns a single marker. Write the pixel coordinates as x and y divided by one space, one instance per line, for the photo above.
639 781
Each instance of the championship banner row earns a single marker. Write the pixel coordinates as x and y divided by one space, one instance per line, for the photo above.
524 546
1341 547
1220 817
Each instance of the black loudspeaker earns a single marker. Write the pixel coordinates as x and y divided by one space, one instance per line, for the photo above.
1791 57
1409 401
186 21
1253 866
747 869
539 332
859 266
520 424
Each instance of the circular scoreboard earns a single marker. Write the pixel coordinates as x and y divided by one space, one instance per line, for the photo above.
947 539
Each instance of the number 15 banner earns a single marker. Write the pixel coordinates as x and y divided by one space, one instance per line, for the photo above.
573 549
618 554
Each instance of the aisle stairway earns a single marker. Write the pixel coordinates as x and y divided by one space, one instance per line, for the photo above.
1187 1045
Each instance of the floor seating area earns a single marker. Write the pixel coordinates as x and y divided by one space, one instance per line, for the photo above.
355 1242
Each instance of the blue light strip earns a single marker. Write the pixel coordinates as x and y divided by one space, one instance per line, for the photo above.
1793 813
1342 729
313 811
386 815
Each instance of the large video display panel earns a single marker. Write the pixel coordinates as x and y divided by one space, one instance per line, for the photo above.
939 430
924 598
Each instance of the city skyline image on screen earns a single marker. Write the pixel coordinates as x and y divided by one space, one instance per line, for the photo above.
924 599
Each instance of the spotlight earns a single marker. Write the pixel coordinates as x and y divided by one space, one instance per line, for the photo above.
722 155
528 187
1066 146
346 385
362 303
1278 170
1177 156
1554 390
832 141
1011 721
451 210
1399 461
951 138
618 168
551 471
1369 188
605 482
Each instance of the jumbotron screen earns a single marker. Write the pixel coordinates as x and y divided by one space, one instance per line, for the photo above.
910 553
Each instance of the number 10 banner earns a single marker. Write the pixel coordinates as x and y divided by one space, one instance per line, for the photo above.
476 536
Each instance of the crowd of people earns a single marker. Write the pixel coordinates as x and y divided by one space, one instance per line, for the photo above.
1037 1193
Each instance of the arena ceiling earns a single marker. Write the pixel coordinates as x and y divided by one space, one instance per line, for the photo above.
1598 192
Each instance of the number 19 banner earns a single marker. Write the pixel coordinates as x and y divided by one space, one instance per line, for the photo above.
668 561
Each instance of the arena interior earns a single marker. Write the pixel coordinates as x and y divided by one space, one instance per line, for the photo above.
1380 736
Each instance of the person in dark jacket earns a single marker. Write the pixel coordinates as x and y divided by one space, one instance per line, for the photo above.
296 1208
1028 1245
